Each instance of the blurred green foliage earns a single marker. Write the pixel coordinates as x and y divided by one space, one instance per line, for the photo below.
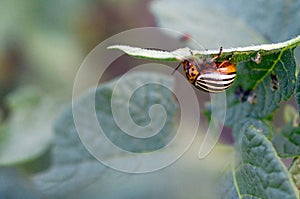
42 43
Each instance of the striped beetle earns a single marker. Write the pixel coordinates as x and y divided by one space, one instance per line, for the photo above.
209 75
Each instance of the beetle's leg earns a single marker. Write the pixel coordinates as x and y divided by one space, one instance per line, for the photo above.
218 55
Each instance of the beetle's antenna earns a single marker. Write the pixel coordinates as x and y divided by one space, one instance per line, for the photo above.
220 52
175 69
218 55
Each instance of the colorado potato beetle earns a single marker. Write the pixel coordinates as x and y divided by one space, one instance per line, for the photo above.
208 74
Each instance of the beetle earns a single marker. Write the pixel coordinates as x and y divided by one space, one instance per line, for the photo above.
209 75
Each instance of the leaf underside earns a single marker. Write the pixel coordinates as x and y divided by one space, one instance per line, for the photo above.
73 167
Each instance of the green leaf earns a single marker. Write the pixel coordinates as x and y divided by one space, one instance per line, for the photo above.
260 87
28 131
276 67
141 101
274 26
226 187
272 54
259 172
281 62
229 23
295 171
297 95
243 124
73 167
14 185
151 53
210 25
287 142
256 79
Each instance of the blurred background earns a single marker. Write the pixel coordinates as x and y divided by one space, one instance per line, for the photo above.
42 44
